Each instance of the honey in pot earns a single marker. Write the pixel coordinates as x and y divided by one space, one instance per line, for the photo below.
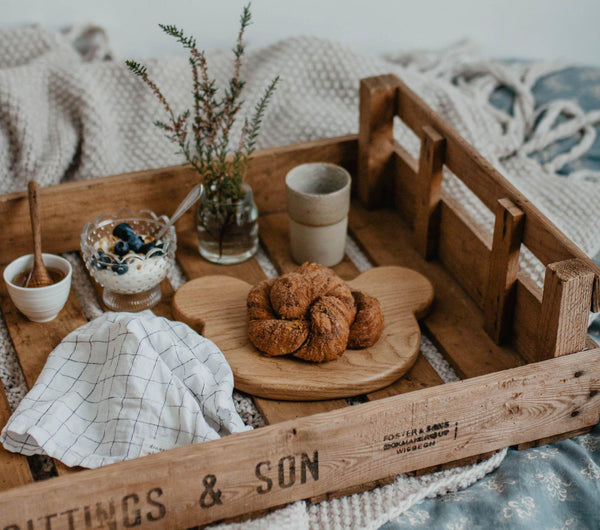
21 279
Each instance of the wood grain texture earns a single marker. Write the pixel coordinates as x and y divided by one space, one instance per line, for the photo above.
551 439
14 468
275 411
498 306
375 164
194 266
526 317
421 375
405 182
464 249
160 190
221 302
455 323
544 239
565 309
429 189
471 417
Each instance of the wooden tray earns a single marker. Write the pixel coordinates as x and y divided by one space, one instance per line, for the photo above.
530 373
221 302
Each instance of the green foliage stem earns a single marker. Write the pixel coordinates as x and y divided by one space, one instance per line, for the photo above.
202 133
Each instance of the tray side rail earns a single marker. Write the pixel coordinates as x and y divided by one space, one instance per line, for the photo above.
66 207
538 325
296 459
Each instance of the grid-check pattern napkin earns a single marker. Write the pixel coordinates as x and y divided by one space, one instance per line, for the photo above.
125 385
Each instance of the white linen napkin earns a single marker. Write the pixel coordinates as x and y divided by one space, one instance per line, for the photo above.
122 386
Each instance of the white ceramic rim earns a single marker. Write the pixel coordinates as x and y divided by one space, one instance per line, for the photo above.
318 209
28 260
334 168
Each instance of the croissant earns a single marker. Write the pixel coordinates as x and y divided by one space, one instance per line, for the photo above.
312 314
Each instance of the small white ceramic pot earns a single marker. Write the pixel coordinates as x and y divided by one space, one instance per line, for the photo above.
318 201
39 304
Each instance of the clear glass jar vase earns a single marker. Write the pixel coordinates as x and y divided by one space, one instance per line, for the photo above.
227 230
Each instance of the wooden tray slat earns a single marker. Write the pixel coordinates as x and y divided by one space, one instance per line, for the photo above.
14 468
194 266
455 323
421 375
465 252
160 190
482 414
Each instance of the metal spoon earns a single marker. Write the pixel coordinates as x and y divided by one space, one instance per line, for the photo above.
186 204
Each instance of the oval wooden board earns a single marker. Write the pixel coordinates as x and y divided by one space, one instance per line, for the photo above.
221 302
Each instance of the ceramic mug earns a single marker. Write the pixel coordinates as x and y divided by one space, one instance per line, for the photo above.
318 201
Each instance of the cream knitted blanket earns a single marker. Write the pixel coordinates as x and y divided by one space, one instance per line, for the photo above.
69 112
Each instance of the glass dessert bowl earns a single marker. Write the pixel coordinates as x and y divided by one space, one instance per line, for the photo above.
122 254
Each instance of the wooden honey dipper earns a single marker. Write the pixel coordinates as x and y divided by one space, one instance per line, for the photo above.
39 276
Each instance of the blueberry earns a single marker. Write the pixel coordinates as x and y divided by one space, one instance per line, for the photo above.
123 231
147 247
101 262
120 268
121 248
135 242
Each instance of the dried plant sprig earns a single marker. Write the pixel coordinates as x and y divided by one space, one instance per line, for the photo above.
211 120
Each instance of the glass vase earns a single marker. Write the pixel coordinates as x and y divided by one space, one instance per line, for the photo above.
228 230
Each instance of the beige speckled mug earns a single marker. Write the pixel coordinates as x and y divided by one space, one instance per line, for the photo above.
318 200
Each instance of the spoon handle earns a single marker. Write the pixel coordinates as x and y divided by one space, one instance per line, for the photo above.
34 214
185 205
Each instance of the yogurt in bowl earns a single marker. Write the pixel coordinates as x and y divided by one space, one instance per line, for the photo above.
122 254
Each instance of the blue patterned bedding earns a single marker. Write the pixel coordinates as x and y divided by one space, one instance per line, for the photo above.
551 487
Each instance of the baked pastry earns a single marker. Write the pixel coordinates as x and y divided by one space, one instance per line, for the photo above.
312 314
267 332
368 324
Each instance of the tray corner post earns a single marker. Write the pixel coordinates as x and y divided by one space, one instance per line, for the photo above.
378 102
429 192
566 302
503 269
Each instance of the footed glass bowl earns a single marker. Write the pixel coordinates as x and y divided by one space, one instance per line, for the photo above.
131 281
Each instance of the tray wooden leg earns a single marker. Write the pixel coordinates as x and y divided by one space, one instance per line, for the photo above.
565 310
